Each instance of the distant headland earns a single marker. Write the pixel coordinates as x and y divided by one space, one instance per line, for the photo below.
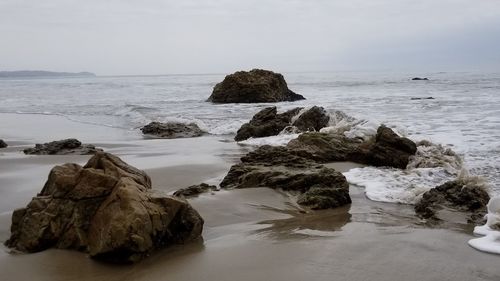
42 74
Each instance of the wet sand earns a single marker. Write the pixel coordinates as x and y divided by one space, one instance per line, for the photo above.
249 234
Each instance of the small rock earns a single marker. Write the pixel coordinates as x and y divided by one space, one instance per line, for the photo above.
195 190
253 86
62 147
425 98
420 79
172 130
265 123
3 144
460 195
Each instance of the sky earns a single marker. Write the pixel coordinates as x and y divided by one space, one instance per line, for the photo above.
145 37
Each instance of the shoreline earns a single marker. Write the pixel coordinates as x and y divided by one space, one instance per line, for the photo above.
249 234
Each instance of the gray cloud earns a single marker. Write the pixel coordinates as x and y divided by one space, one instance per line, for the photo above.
195 36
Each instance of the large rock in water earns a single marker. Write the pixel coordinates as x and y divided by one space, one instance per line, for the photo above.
106 208
276 167
253 86
62 147
459 195
268 122
2 144
386 149
172 130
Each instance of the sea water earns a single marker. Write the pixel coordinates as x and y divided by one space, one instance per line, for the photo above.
461 123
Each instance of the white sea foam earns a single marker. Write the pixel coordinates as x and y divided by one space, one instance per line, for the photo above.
279 140
431 166
491 230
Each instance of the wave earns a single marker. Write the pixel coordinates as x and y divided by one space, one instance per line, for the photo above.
491 230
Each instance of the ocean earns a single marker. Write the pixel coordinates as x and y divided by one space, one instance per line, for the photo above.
462 120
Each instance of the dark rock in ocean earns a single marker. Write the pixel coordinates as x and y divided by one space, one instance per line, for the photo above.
265 123
106 208
425 98
314 119
268 122
420 79
172 130
195 190
459 195
279 168
62 147
3 144
390 149
387 149
253 86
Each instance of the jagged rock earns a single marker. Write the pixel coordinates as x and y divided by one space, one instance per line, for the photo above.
268 122
3 144
253 86
265 123
459 195
386 149
106 208
277 167
62 147
172 130
314 119
420 79
195 190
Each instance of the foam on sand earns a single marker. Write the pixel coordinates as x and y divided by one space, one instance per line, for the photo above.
490 243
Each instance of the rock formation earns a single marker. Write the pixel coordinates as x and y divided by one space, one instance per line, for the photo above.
268 122
195 190
62 147
3 144
277 167
386 149
172 130
459 195
253 86
105 208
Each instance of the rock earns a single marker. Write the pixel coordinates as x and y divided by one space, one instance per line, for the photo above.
420 79
3 144
390 149
313 119
172 130
425 98
254 86
278 168
268 122
105 208
195 190
62 147
386 149
265 123
460 195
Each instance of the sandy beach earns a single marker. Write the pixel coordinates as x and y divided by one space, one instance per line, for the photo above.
249 234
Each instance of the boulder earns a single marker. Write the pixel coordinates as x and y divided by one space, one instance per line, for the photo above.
253 86
265 123
465 195
195 190
3 144
313 119
276 167
62 147
420 79
386 149
268 122
172 130
106 208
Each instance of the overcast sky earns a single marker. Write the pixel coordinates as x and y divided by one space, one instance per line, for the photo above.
219 36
